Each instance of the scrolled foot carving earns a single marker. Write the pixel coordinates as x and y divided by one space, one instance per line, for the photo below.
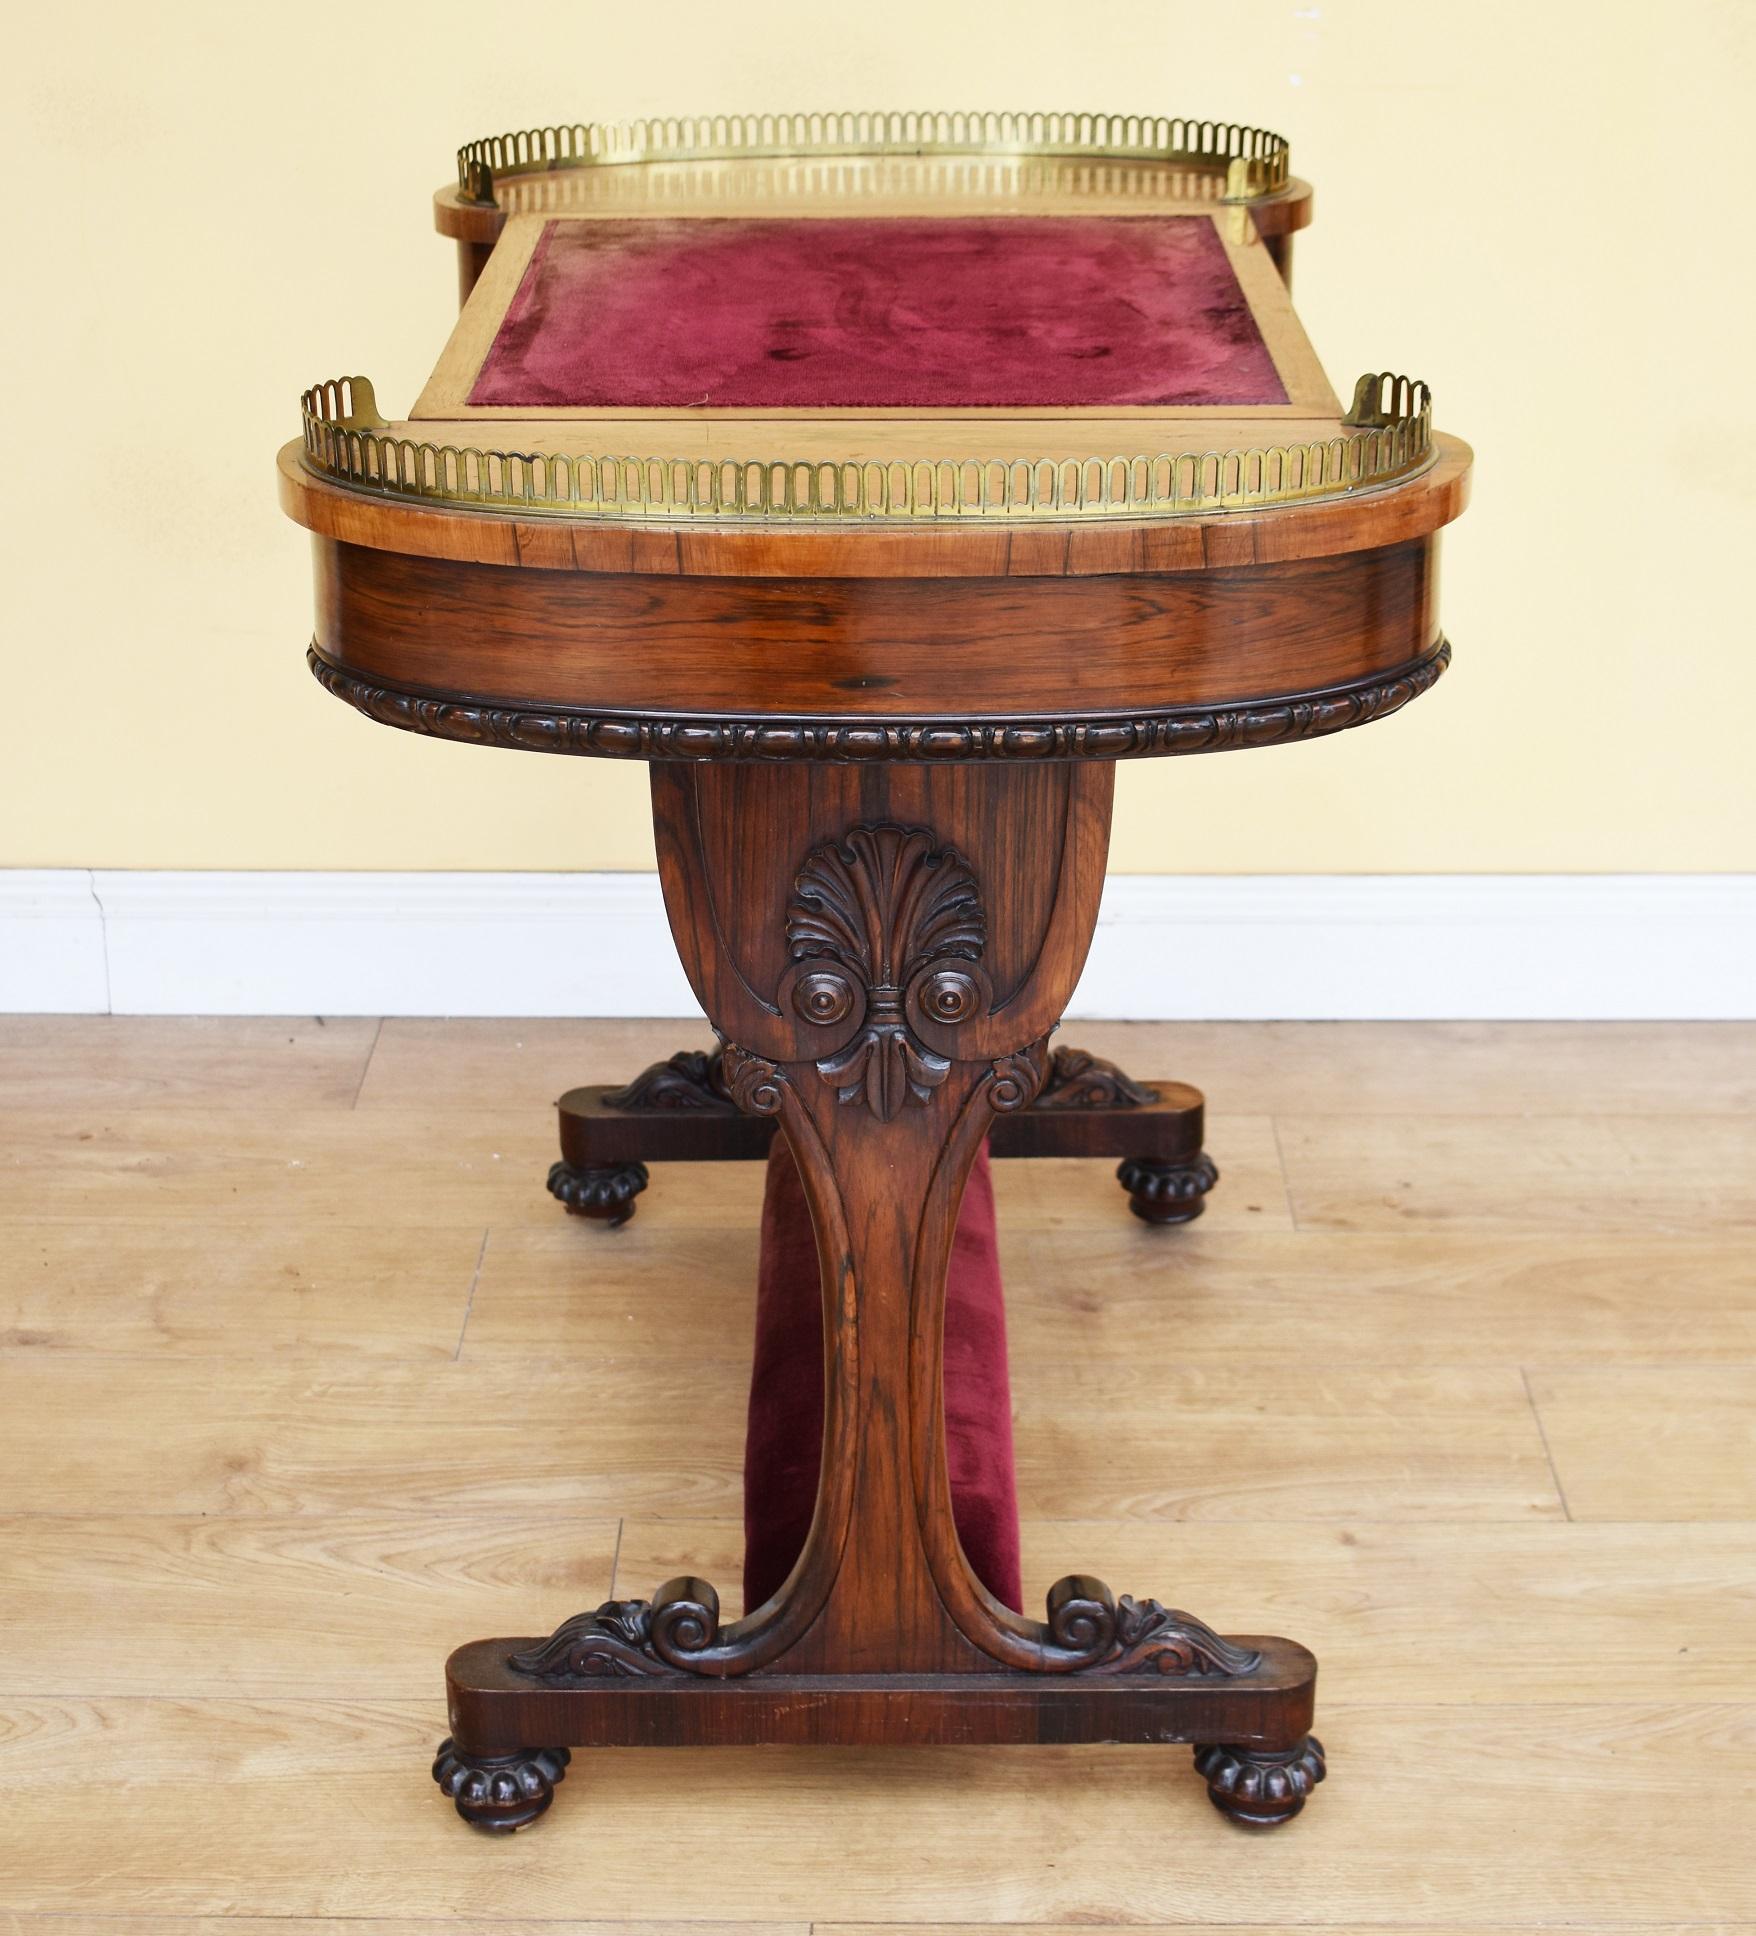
1261 1787
690 1079
1161 1192
610 1642
499 1793
628 1639
1079 1080
605 1196
1129 1636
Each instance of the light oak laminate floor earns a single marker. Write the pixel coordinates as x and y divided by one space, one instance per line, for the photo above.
304 1379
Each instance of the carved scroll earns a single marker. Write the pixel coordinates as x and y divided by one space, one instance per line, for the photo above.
1080 1080
628 1639
690 1079
1128 1636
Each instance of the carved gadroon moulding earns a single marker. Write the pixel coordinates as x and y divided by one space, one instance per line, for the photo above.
708 736
885 931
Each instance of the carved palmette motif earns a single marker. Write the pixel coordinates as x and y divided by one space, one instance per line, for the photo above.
885 931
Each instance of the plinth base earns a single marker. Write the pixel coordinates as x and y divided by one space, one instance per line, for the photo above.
498 1713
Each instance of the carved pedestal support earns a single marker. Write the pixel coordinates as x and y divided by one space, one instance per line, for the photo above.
884 952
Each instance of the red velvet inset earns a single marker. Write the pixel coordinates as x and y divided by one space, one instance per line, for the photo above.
785 1433
907 312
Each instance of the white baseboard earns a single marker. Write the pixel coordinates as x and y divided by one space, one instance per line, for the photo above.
51 943
1261 947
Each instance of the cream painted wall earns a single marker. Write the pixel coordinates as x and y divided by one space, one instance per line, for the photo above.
1538 206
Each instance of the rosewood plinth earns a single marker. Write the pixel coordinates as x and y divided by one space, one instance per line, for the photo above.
881 486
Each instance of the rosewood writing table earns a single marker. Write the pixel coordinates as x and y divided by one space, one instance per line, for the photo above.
881 481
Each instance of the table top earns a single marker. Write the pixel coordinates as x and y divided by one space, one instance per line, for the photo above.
881 365
685 321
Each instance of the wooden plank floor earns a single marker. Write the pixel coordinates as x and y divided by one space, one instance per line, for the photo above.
303 1379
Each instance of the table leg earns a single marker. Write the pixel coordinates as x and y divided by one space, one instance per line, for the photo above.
883 951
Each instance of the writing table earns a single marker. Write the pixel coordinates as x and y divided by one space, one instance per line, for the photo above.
881 481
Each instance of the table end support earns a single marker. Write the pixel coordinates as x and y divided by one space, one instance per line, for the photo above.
1260 1775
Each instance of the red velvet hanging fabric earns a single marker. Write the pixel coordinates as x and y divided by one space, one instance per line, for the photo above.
785 1434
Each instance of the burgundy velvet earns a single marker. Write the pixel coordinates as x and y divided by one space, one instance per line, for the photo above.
785 1432
906 312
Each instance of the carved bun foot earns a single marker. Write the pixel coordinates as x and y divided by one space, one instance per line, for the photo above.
606 1196
1167 1192
500 1793
1261 1787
